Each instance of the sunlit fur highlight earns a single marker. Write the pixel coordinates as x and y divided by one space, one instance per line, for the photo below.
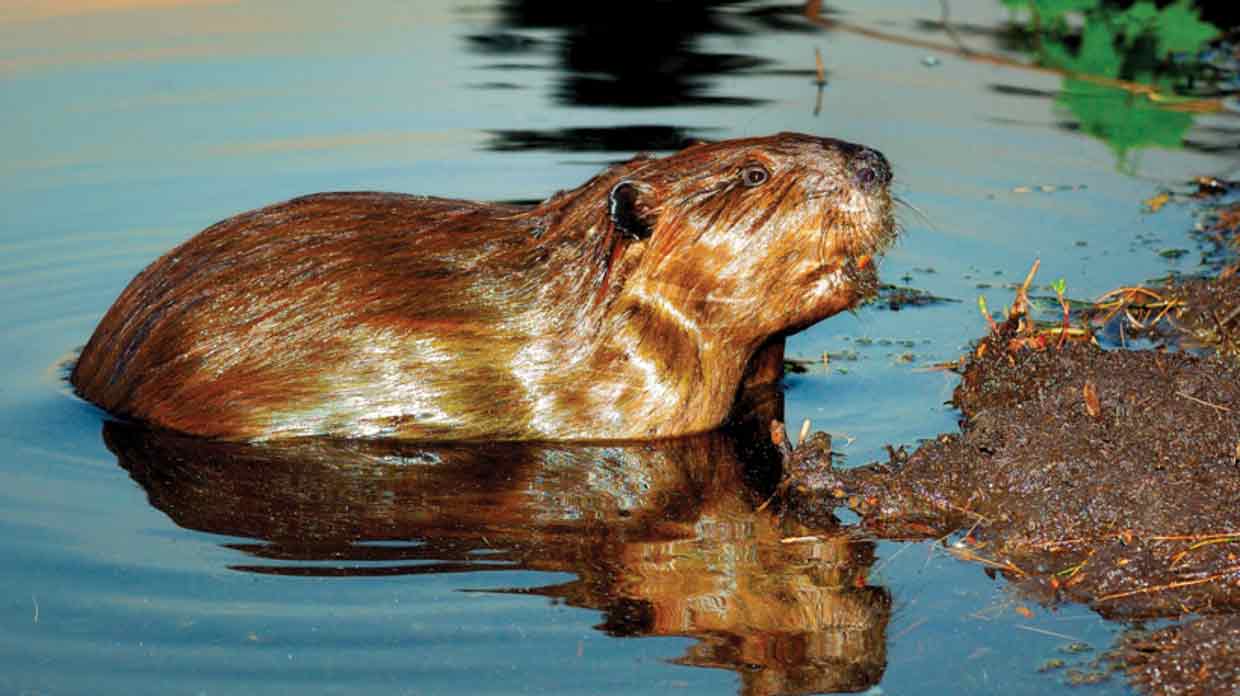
389 315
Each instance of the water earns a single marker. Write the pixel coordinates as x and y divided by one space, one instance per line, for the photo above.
180 568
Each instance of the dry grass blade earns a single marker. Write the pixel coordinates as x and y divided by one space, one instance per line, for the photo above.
1171 585
1142 307
1203 402
1216 540
1045 632
968 555
1021 304
1127 292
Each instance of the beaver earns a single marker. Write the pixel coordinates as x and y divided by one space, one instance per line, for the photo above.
633 307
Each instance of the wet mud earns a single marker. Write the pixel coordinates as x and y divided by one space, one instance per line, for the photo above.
1198 314
1209 314
1104 477
1196 657
1109 478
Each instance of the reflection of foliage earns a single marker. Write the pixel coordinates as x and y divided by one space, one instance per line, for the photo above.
1122 120
1136 44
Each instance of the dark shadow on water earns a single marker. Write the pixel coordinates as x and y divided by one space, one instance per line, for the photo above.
641 54
664 538
646 53
625 139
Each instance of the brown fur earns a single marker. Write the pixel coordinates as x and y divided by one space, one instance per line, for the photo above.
390 315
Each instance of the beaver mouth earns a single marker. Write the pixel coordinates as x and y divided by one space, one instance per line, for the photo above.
856 237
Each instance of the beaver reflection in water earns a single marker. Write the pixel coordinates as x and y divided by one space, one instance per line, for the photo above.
628 308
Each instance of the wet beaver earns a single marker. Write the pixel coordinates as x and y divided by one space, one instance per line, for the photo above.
628 308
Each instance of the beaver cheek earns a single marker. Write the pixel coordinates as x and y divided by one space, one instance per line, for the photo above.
833 291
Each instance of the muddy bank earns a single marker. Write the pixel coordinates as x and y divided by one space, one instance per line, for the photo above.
1105 477
1210 313
1195 314
1198 657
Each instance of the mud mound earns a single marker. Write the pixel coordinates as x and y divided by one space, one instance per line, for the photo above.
1197 658
1109 478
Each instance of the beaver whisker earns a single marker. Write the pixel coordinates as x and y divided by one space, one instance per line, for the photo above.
925 218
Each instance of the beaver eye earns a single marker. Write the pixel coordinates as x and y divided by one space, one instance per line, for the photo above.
755 175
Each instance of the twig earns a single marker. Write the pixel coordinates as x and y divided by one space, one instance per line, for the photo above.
1216 407
1021 304
1129 290
1043 631
1208 537
1215 540
946 20
965 554
1170 586
820 81
975 515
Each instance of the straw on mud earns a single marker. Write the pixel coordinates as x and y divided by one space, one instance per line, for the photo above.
968 555
1125 299
1217 540
1171 586
1136 289
1203 402
1210 537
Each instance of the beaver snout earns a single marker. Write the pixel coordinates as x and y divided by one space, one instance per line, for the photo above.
870 169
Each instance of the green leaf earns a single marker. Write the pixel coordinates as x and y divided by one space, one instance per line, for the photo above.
1181 30
1097 56
1053 11
1136 20
1055 54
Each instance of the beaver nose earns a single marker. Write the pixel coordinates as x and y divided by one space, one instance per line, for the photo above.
870 169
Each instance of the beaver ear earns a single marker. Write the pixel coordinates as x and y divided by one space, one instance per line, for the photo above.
627 210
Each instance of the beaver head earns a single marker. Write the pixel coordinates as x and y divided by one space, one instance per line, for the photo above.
701 262
750 238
